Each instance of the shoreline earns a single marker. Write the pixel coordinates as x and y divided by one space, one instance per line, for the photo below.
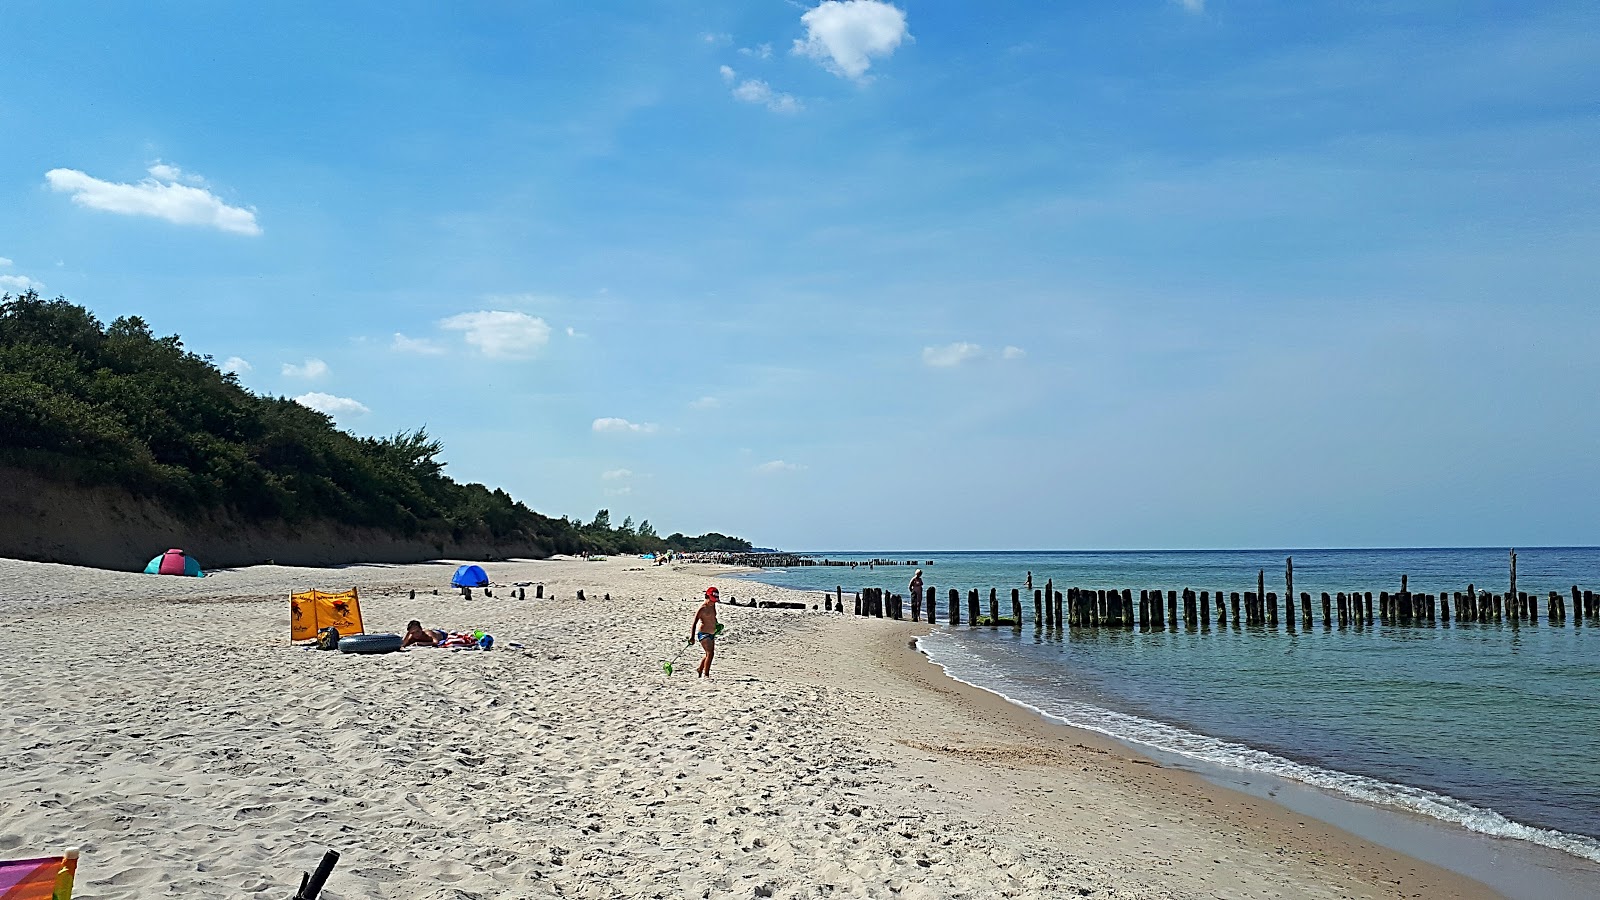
827 751
1496 865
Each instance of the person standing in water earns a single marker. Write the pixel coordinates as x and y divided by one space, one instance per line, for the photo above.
916 587
704 630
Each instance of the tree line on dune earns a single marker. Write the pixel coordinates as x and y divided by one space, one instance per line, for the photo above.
117 406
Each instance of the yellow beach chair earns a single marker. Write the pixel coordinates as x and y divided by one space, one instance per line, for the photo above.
42 878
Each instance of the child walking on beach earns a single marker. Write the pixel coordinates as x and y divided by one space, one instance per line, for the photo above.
704 630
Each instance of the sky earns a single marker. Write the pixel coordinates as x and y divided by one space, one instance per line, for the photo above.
861 274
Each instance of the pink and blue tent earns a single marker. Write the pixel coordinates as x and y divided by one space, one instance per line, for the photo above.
174 562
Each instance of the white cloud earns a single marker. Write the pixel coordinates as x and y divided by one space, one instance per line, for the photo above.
1013 353
420 346
727 73
4 262
503 334
160 196
331 405
18 284
1194 6
611 425
614 474
716 37
705 403
778 466
754 90
951 354
845 35
236 365
759 51
619 491
163 172
313 368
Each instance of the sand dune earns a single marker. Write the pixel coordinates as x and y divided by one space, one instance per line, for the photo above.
165 726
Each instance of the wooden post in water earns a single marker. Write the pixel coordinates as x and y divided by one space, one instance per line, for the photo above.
955 607
1261 594
1172 608
1233 598
1126 608
972 607
1016 607
1327 610
1444 606
994 606
1513 592
933 607
1144 609
1205 608
1039 611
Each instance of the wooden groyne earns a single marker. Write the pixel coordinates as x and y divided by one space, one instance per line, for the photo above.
793 560
1159 610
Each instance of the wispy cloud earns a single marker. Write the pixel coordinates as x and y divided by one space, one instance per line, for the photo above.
161 196
500 333
705 403
236 365
418 346
612 425
312 368
845 35
614 474
951 354
331 405
754 90
1013 353
716 38
759 51
1194 6
778 467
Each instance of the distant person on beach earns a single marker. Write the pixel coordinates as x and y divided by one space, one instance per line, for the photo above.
916 585
418 636
704 630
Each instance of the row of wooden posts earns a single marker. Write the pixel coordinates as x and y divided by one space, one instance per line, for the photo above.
1082 607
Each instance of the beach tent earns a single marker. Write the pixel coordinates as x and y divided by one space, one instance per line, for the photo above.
311 611
174 562
470 576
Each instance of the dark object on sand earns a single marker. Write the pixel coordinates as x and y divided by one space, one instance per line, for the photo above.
311 882
328 638
370 643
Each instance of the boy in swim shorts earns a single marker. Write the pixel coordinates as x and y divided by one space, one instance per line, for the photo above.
704 630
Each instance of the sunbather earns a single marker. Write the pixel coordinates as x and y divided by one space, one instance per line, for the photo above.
422 637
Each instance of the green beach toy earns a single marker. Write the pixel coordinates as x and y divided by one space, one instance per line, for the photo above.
667 666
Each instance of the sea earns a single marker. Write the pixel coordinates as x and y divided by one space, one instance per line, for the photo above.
1492 727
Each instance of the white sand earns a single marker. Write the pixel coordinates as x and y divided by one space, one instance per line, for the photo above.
165 726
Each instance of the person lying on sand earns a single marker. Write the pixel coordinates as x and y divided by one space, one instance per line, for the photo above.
422 637
704 630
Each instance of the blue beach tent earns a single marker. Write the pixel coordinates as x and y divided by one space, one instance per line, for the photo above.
470 576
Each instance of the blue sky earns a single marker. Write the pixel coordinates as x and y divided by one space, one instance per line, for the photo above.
1141 273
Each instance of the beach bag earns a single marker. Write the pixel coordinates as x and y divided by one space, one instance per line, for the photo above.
328 639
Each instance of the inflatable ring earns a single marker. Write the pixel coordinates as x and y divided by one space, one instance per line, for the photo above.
369 643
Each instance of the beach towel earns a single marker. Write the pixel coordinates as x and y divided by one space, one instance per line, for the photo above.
39 878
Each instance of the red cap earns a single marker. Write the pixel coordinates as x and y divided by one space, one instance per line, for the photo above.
713 592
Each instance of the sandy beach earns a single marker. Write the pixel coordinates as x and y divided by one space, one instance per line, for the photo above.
166 726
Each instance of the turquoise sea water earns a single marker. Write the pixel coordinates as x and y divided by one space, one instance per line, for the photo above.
1495 727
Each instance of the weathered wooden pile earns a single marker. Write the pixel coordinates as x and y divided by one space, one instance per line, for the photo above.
1158 610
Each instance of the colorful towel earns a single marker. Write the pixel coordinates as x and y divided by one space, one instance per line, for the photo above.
35 879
